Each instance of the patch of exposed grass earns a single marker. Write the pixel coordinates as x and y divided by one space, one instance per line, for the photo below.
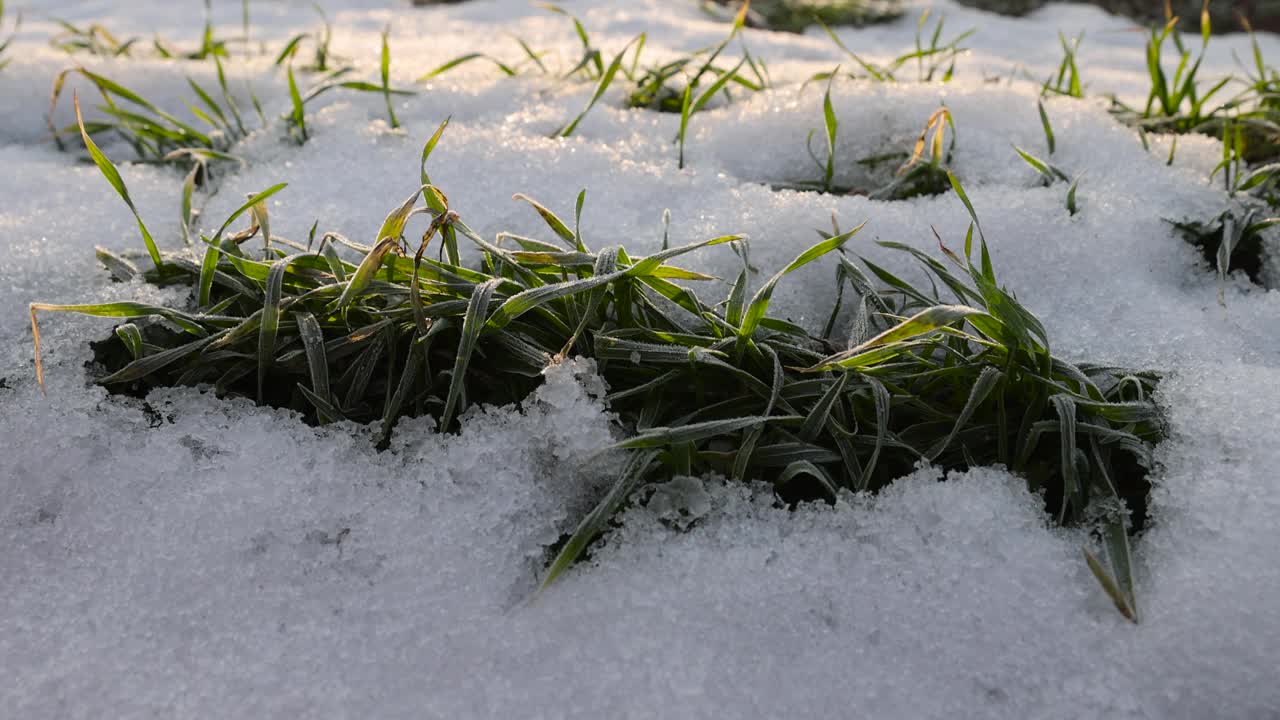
322 57
1230 241
685 85
1066 81
1248 120
160 137
924 170
91 39
663 87
1176 102
728 388
96 39
1233 239
933 57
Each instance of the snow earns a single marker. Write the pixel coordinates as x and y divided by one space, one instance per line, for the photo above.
195 557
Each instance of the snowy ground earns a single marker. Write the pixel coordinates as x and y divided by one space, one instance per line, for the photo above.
230 561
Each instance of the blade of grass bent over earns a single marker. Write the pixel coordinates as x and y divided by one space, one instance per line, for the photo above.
113 177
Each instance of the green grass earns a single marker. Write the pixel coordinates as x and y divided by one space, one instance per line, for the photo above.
1066 82
157 135
1176 102
924 169
1230 241
322 57
96 39
91 39
685 85
1179 101
726 387
664 87
933 58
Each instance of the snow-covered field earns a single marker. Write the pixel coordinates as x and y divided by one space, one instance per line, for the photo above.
224 560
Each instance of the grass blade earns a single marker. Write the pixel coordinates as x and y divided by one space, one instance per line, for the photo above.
113 177
594 523
472 324
760 301
605 80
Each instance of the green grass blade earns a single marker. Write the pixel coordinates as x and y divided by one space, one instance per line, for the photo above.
427 149
553 221
131 336
463 59
299 113
1110 586
472 323
685 107
364 274
806 467
832 126
922 323
112 175
982 387
403 389
385 72
760 301
817 417
595 522
605 80
666 436
1048 129
270 323
317 363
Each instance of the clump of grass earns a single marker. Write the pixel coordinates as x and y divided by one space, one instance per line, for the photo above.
591 67
1179 103
13 32
796 15
1050 173
156 135
924 170
295 119
320 40
96 39
700 388
91 39
1254 113
688 84
1233 240
1175 103
1230 241
934 58
1066 82
663 88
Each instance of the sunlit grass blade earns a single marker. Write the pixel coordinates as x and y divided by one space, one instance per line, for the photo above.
117 183
606 78
759 304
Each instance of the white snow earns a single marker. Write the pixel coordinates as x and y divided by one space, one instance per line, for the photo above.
208 558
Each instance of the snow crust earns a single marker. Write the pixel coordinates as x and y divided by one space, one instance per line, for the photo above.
193 557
